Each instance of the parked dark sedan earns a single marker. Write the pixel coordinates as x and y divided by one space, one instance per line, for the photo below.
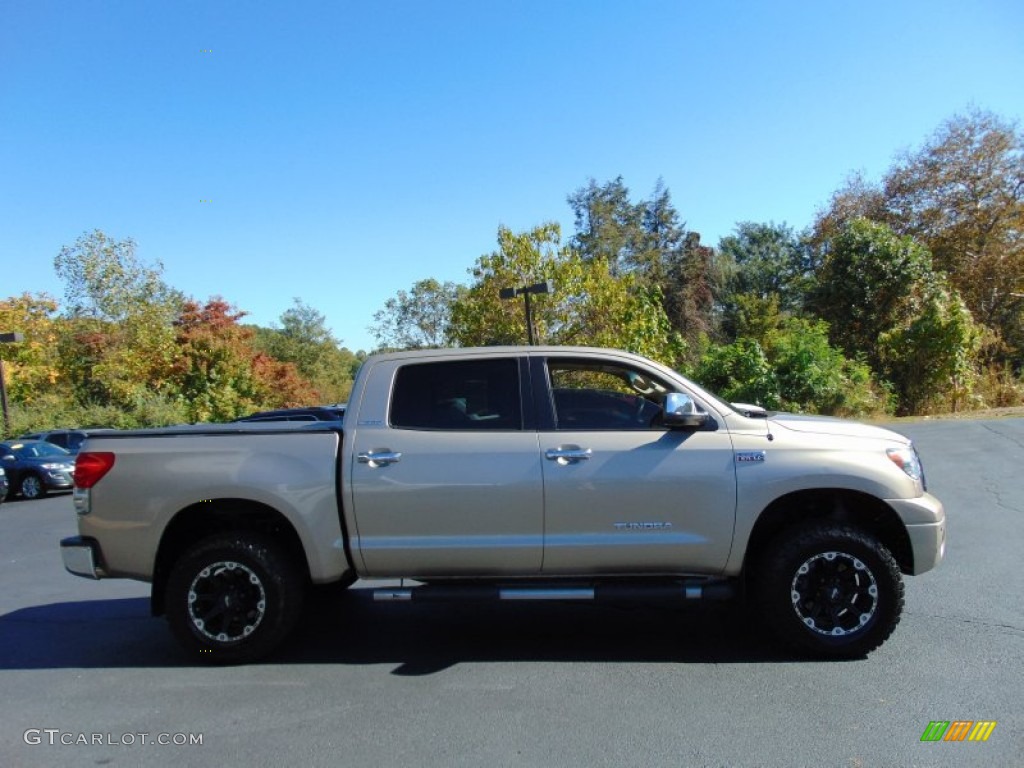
312 413
69 439
35 467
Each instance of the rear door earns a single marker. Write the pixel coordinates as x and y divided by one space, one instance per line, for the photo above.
446 477
623 494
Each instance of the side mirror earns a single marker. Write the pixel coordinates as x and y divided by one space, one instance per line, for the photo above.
681 411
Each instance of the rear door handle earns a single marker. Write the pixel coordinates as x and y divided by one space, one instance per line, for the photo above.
378 458
568 455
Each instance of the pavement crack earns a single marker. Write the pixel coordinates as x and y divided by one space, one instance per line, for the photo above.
972 622
994 431
1000 501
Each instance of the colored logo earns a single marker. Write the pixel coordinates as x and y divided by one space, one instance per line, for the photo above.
958 730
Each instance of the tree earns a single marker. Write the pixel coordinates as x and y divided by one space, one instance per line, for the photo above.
118 341
866 283
931 354
740 372
418 318
32 366
590 305
816 377
646 240
961 196
692 283
481 317
38 392
219 375
787 362
609 226
883 299
765 260
305 341
858 198
104 280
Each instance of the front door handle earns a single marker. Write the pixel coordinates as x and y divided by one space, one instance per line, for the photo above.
568 455
378 457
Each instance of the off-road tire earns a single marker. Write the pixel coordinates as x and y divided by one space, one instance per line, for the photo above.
828 589
233 598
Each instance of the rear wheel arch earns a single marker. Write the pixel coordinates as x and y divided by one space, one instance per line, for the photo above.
221 516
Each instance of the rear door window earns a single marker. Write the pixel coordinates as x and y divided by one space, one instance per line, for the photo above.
459 395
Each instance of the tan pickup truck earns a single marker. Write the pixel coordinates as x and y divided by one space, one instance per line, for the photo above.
536 473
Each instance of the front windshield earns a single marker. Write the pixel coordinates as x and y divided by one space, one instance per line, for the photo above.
38 451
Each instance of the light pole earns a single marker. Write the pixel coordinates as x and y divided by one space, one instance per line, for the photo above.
548 286
6 338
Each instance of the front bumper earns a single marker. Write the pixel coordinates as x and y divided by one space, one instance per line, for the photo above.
81 557
925 520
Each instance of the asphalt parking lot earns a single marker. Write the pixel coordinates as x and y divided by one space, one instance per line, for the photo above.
526 684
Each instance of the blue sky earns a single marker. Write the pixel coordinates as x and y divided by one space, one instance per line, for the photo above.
340 151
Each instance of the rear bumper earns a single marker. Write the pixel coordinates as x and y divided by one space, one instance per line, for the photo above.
81 557
925 520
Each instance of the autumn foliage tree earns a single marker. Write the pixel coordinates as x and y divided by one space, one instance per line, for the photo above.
304 340
218 375
117 341
961 196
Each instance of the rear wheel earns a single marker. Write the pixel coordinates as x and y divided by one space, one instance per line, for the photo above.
233 598
829 589
32 487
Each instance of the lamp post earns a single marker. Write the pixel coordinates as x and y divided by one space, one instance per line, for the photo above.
548 286
6 338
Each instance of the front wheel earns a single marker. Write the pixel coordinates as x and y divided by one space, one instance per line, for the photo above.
233 598
829 589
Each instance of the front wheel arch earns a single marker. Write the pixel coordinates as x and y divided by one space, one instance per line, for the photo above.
835 505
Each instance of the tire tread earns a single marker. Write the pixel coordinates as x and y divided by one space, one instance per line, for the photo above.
774 571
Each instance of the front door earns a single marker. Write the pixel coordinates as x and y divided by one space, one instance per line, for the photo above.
624 495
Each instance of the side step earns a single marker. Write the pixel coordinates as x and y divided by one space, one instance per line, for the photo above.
686 591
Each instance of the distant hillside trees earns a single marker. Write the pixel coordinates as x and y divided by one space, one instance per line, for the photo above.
128 350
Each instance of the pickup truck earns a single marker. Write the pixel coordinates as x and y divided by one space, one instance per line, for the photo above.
513 473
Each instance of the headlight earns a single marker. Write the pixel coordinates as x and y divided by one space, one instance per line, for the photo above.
52 465
907 460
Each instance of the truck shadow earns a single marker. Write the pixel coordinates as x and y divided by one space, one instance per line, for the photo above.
415 639
427 638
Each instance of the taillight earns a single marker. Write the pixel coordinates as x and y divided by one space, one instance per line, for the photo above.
91 466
